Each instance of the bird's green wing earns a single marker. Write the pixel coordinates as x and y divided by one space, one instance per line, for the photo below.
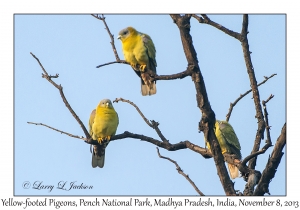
91 121
230 137
148 43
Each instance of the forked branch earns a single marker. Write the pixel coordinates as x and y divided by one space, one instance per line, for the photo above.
60 131
206 20
207 121
153 124
243 95
112 42
250 70
272 164
180 171
60 88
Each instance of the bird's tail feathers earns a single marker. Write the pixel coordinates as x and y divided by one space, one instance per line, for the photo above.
233 171
98 157
148 87
146 90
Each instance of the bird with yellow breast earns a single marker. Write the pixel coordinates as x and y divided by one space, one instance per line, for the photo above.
103 125
139 51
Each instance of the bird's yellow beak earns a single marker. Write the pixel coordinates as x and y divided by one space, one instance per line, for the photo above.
106 105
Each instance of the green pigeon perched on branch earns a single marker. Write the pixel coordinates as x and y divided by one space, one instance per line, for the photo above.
229 143
103 125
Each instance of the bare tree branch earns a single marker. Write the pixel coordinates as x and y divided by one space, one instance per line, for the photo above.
259 115
180 75
113 62
206 20
264 103
208 116
272 164
180 171
243 95
153 124
110 35
166 145
60 88
136 107
255 176
252 155
62 132
242 37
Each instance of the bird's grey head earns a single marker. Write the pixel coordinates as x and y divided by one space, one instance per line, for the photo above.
124 33
105 103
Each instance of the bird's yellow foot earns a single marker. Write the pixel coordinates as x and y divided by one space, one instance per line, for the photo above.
108 138
100 140
142 67
133 66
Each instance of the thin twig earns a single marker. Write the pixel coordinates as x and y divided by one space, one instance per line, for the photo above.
60 88
110 35
264 103
206 20
256 98
136 107
180 171
249 157
272 164
243 95
120 61
62 132
153 124
55 76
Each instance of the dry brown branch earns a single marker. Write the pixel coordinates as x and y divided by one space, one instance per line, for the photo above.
153 124
180 171
272 164
252 155
180 75
110 35
207 121
264 103
250 69
62 132
60 88
113 62
136 107
166 145
254 176
243 95
170 147
206 20
242 37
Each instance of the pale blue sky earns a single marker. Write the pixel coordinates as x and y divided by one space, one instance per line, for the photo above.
73 45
